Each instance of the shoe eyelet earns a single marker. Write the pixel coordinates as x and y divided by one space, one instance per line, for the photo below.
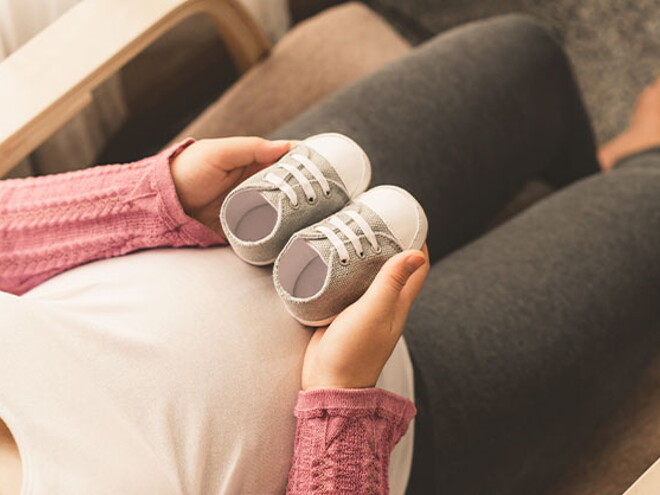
378 250
327 194
343 262
295 205
362 255
311 201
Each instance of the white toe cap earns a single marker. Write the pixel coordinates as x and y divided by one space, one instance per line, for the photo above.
346 157
400 211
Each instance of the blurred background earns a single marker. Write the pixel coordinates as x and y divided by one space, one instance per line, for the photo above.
185 83
614 46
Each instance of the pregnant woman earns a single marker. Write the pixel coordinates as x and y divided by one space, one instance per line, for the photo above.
177 371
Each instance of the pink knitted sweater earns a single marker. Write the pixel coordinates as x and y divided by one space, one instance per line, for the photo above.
51 224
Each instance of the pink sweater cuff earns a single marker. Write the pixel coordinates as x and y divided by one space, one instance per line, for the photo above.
53 223
344 438
354 402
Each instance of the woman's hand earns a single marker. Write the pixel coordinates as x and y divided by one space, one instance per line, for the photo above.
207 170
353 350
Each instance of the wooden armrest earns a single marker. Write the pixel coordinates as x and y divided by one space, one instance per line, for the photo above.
50 79
648 483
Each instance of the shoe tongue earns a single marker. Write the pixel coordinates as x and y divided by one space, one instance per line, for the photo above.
319 248
271 196
322 246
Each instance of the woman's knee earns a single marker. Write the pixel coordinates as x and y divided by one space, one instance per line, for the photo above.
510 40
525 29
529 33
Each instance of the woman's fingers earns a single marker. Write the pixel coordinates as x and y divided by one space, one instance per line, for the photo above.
271 151
416 281
394 289
352 351
394 276
236 152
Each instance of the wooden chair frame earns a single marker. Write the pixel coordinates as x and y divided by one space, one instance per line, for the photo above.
51 78
648 483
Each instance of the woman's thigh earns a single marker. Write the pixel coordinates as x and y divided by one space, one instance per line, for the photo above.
526 338
463 121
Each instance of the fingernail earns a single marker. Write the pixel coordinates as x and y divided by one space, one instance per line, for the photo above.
414 262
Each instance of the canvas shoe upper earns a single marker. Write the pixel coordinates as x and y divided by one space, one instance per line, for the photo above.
313 180
327 266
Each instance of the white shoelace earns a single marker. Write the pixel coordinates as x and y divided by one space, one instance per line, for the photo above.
339 245
283 186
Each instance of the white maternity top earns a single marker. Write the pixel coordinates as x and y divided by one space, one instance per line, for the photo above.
171 371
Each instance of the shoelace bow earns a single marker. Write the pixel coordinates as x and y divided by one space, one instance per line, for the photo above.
339 245
306 163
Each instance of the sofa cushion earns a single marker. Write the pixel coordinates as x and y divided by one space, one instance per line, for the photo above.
316 58
623 447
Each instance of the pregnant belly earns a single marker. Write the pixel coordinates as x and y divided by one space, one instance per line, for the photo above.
190 354
198 351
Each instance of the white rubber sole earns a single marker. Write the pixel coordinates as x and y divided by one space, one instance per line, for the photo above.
255 263
320 323
365 178
422 222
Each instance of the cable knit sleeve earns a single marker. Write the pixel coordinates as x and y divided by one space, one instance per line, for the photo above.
344 438
52 223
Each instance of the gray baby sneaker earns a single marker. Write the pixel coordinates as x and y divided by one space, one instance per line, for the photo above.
315 179
329 265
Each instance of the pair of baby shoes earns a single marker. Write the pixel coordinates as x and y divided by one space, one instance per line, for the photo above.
309 213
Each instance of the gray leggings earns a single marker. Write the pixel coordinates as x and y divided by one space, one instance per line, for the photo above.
524 337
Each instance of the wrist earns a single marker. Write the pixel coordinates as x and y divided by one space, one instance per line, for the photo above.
361 379
177 162
336 387
173 213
